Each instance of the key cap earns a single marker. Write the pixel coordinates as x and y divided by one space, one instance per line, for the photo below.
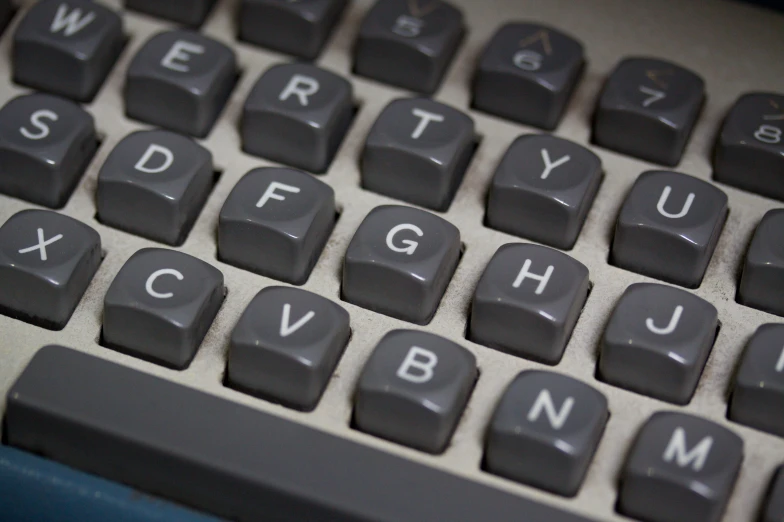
297 28
67 47
527 302
224 457
657 341
413 389
39 489
774 506
47 260
167 175
180 80
543 189
545 431
648 109
297 114
668 227
399 262
417 151
758 391
680 467
527 73
762 279
187 12
749 152
51 140
408 43
286 346
276 222
160 305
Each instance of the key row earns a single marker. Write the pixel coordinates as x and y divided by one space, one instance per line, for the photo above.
543 432
526 303
180 80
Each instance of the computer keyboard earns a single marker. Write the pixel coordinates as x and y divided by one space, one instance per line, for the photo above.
391 260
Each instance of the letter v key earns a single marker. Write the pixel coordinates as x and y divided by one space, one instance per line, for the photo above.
286 328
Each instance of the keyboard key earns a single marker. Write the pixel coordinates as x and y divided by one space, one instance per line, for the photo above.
543 189
6 13
758 391
167 175
762 281
297 114
657 341
527 73
47 260
400 261
417 151
749 153
180 80
276 222
668 227
408 43
545 431
67 47
528 301
222 457
297 28
35 488
160 305
774 506
51 140
187 12
681 467
648 109
286 346
413 389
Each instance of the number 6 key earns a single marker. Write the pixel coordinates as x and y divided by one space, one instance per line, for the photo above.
749 152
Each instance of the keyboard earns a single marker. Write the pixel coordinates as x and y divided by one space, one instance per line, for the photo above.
391 260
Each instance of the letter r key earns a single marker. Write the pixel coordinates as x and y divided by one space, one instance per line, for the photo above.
413 389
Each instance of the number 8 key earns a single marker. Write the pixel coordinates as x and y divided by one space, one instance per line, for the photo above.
749 152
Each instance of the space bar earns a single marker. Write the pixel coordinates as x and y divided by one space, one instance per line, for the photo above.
228 459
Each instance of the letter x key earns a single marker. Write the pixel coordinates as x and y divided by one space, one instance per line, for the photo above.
46 262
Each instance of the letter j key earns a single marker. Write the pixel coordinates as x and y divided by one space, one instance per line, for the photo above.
668 227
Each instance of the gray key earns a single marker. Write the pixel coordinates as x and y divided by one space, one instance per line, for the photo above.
680 468
545 431
657 342
417 151
528 301
648 109
286 345
543 189
276 222
774 505
51 140
668 227
413 389
408 43
400 261
297 114
299 28
758 391
180 80
67 47
187 12
749 152
153 184
219 456
527 73
762 281
47 260
160 305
